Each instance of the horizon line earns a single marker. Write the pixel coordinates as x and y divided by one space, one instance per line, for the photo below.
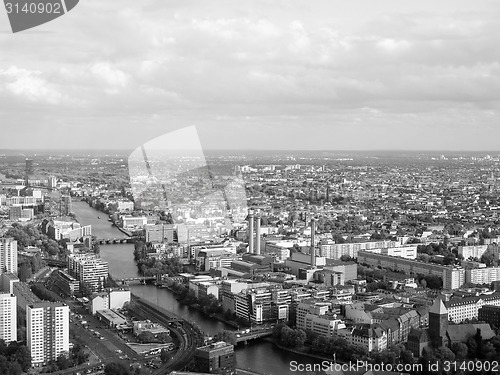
249 149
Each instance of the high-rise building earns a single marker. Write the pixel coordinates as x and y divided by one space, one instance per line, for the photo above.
29 170
8 255
47 331
89 270
52 182
8 317
66 205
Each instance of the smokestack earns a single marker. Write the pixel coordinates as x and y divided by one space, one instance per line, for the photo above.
313 233
250 232
257 235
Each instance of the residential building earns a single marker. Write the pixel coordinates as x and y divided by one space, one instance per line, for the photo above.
484 275
8 317
19 213
8 255
490 314
47 331
453 277
89 269
159 233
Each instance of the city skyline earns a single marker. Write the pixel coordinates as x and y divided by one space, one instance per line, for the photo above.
261 75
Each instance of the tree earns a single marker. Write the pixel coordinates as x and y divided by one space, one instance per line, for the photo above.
488 258
78 355
116 369
320 344
226 336
460 350
300 338
164 356
24 271
63 362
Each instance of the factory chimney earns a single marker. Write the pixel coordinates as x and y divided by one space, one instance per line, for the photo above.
250 232
257 235
312 250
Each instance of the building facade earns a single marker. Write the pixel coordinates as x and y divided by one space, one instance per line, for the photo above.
47 331
8 317
8 255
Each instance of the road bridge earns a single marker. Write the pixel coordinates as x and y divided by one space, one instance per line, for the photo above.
254 334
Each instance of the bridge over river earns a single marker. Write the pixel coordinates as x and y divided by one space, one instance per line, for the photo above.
255 333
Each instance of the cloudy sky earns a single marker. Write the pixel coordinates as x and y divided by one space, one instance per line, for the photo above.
260 74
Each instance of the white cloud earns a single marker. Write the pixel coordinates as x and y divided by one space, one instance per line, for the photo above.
29 85
113 76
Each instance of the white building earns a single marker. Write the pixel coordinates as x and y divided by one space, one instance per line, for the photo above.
47 331
482 275
8 317
88 269
8 255
130 222
460 309
310 307
472 251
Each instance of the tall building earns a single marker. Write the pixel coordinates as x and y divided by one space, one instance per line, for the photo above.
8 317
52 182
8 255
89 270
438 323
29 169
66 205
47 331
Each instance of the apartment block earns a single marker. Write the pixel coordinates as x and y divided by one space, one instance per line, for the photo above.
47 331
8 317
453 277
8 255
88 269
336 251
482 275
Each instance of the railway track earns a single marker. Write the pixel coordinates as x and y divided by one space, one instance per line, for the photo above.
187 335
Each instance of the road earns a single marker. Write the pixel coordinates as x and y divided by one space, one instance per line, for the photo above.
107 348
188 337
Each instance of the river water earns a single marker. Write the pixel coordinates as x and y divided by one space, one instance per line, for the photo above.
259 356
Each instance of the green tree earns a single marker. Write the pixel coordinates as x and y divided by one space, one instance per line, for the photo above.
460 350
226 336
24 271
116 369
164 356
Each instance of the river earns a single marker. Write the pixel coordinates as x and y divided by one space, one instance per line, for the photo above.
259 356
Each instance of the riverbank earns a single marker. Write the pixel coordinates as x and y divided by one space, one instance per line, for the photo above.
302 352
198 307
215 316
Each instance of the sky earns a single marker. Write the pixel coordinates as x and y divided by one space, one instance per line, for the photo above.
259 74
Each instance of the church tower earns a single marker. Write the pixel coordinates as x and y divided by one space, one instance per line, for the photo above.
438 323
